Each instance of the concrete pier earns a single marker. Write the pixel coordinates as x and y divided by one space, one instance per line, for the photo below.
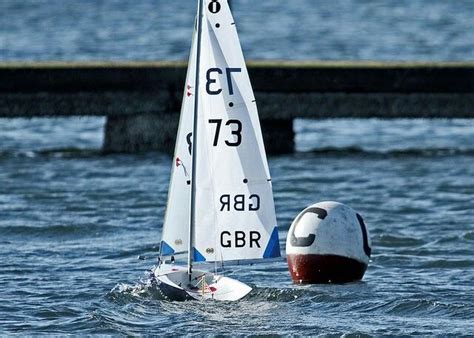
142 100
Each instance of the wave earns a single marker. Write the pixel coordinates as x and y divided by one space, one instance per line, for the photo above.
55 230
147 289
392 241
409 152
70 152
78 153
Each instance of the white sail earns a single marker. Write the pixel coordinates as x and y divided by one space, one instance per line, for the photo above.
175 235
235 213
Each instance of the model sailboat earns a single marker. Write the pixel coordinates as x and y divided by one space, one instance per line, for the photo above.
220 202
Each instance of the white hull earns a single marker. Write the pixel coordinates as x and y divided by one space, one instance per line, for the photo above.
173 282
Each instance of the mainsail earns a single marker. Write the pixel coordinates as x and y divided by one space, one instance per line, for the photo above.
234 209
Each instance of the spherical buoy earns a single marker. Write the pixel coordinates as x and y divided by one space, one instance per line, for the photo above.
328 242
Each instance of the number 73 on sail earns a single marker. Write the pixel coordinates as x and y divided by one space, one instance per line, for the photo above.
220 201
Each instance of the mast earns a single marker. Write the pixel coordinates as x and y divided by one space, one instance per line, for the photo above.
192 215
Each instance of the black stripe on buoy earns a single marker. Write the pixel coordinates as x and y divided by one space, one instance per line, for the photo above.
367 249
309 240
322 214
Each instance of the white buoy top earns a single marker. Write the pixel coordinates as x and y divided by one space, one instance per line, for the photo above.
329 228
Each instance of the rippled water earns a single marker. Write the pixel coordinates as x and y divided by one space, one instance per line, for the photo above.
73 223
275 29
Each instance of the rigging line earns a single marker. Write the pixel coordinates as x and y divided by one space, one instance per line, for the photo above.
194 147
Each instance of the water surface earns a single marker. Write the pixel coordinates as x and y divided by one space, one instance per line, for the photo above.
73 223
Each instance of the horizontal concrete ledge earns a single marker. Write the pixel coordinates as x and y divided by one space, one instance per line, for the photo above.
271 105
267 76
284 89
369 105
142 99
